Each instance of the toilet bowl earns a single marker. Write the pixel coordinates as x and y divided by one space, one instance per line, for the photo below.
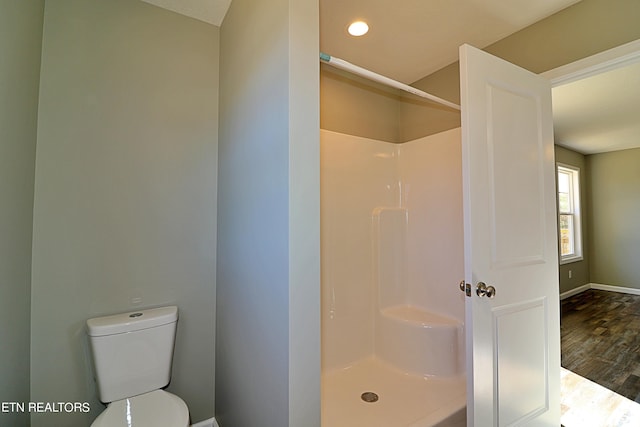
157 408
132 354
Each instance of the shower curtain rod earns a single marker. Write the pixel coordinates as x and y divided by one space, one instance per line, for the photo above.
363 72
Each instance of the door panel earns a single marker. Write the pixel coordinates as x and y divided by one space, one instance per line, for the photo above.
507 141
527 397
513 338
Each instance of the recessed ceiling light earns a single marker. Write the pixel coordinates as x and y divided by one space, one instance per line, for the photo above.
358 28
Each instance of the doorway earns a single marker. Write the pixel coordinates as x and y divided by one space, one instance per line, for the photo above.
592 99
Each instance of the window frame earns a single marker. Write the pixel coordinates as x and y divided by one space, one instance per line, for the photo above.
575 188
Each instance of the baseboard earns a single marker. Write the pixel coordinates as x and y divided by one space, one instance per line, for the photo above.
575 291
621 289
599 286
211 422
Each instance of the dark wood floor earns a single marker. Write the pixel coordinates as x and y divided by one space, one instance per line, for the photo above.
601 339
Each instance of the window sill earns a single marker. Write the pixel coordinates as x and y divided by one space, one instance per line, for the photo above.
569 260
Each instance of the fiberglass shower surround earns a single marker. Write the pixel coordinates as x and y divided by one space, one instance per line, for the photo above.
391 247
392 238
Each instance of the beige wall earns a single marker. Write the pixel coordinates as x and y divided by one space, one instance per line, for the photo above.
20 46
421 118
354 106
581 30
584 29
614 229
125 191
268 282
579 269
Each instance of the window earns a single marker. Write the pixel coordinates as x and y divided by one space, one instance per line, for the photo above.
569 214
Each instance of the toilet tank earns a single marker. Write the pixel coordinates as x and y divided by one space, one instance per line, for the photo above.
132 352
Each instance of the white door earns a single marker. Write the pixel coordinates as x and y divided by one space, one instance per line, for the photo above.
513 336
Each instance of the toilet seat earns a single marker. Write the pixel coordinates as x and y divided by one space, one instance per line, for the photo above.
153 409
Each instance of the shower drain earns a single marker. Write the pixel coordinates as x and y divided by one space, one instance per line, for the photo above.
369 397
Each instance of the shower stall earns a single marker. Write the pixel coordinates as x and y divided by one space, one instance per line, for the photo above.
392 258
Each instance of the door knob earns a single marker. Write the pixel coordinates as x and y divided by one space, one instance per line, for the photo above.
482 290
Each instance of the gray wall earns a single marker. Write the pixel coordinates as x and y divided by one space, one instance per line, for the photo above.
268 282
614 228
125 191
610 196
20 44
579 269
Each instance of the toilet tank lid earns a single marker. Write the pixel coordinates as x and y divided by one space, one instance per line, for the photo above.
132 321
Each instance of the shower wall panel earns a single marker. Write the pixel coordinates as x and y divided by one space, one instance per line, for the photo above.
357 175
364 181
431 175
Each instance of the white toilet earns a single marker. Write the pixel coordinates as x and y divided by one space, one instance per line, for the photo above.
132 355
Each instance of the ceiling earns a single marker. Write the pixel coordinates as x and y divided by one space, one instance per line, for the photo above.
410 39
599 113
211 11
